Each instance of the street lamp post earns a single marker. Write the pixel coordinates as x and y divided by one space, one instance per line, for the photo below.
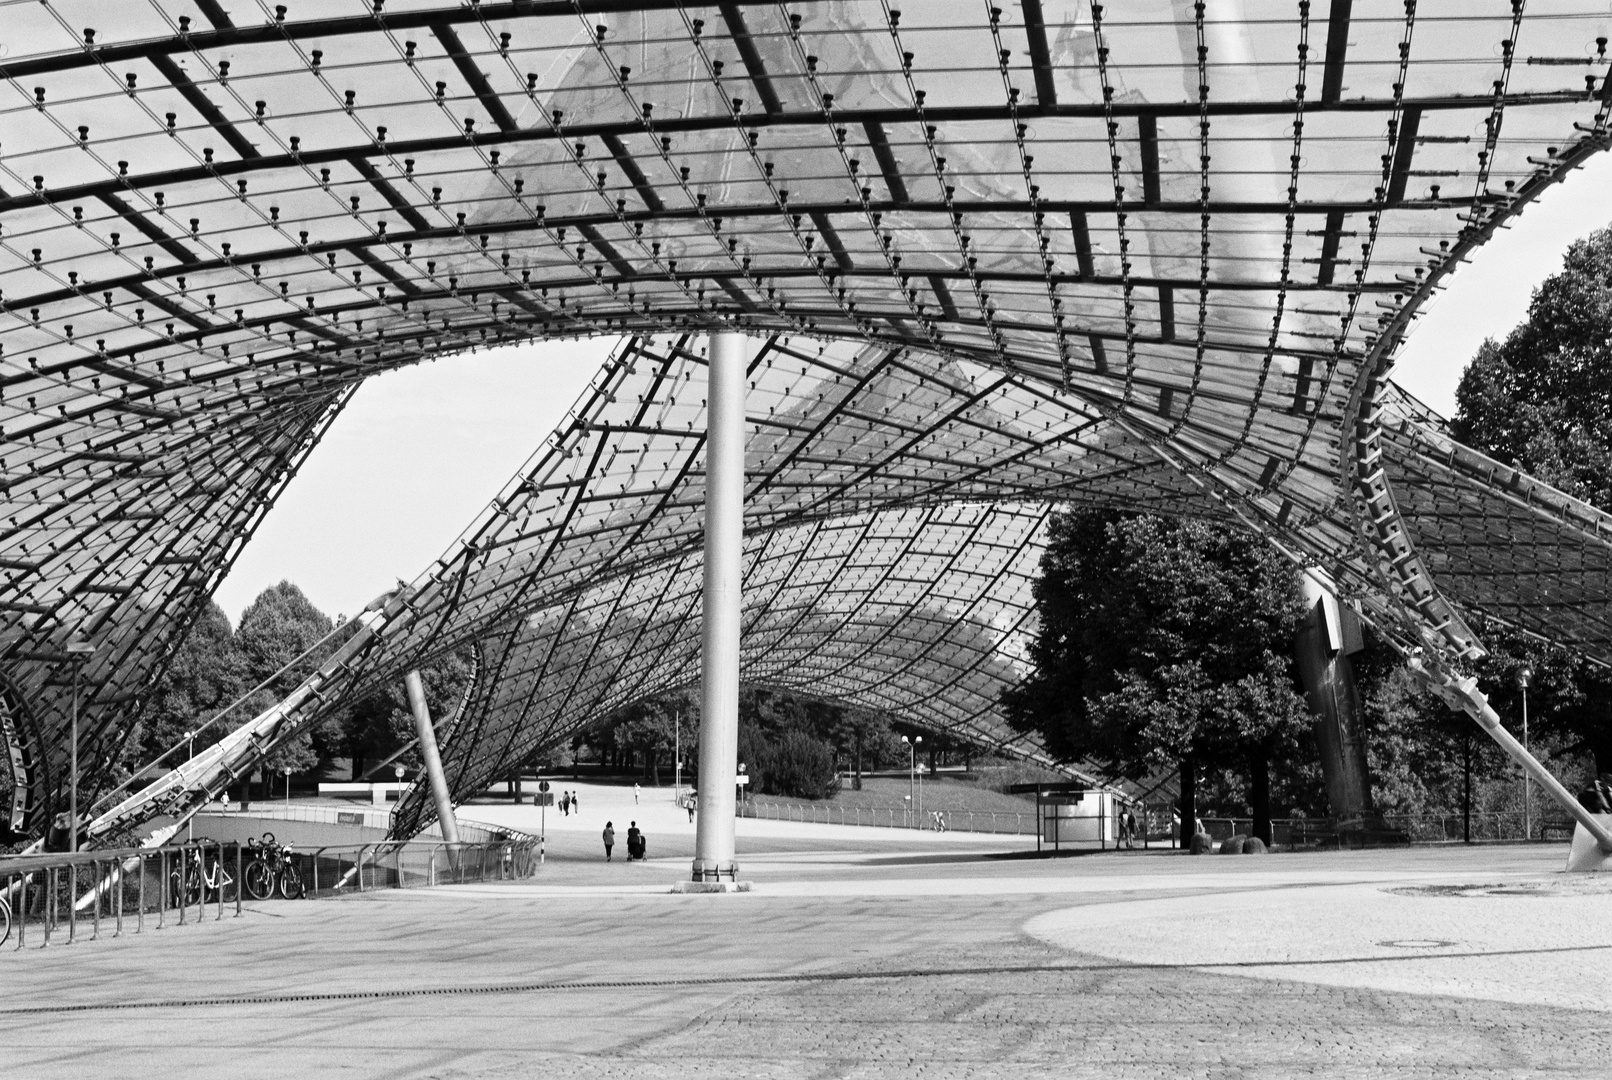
287 770
78 652
912 773
1524 674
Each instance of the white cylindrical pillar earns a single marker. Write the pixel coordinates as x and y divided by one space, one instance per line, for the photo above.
719 663
428 754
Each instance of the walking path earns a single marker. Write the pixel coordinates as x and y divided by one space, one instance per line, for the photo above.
666 823
864 959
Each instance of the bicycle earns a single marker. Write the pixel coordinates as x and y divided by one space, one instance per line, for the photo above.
5 921
200 876
271 867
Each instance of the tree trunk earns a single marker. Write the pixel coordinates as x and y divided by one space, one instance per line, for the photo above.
1188 805
358 766
1600 743
1466 788
1259 789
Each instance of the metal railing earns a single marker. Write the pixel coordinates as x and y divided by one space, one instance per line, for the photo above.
1487 827
405 864
61 898
986 821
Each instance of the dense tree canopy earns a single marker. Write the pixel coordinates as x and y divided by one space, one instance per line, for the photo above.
281 639
1163 643
789 744
1159 638
207 673
1542 401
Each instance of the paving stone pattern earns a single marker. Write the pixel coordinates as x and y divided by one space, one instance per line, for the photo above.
507 982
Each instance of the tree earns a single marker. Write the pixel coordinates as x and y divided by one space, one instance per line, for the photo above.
1163 642
282 639
797 765
207 673
648 731
1542 401
382 723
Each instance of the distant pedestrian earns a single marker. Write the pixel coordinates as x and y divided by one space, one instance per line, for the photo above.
635 842
575 804
609 839
635 794
693 801
226 802
565 803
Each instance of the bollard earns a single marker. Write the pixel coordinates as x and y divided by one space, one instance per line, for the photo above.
240 880
72 902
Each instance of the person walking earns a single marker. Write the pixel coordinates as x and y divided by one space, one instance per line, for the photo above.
574 804
609 839
565 803
635 794
693 800
635 841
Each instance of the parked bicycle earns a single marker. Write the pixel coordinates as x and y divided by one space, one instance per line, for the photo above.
202 873
5 921
271 867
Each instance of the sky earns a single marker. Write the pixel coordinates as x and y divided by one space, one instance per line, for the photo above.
419 453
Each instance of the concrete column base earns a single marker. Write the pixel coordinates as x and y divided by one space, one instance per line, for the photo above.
1586 856
711 886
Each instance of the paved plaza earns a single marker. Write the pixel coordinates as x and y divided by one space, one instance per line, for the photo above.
867 958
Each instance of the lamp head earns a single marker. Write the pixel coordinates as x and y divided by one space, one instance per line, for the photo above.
1524 675
917 738
905 740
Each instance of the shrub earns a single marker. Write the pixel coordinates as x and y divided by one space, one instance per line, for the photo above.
799 766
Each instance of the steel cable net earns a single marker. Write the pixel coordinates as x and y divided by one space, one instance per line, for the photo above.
1169 248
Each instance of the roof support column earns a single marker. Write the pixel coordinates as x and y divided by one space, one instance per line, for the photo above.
429 755
724 546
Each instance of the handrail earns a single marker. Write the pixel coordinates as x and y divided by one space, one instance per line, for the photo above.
43 891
